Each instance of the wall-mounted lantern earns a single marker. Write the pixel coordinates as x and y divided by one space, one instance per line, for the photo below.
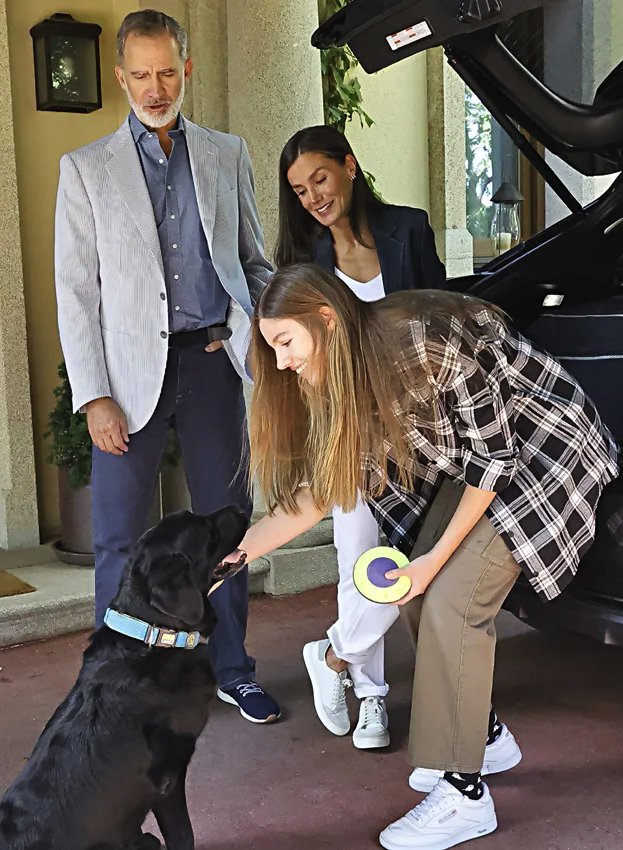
67 65
505 227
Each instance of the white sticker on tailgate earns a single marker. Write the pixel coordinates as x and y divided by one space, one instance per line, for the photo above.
409 35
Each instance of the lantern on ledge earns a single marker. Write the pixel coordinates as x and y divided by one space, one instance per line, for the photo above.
67 65
505 226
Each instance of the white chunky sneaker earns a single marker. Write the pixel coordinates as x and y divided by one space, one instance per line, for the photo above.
371 729
329 688
443 819
501 755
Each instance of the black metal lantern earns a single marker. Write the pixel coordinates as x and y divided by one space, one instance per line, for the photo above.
67 65
505 227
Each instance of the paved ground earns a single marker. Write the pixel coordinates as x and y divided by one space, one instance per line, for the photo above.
292 786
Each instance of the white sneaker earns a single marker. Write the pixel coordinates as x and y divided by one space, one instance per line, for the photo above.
329 688
444 818
501 755
371 729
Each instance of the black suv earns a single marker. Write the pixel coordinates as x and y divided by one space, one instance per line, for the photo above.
563 288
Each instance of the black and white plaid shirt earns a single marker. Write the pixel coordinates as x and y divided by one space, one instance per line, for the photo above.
512 421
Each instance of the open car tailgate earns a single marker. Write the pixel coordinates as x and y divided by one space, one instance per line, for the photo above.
588 137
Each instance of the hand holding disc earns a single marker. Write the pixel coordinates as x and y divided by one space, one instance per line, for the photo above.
369 575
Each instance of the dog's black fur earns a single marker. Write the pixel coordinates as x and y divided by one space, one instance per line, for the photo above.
120 743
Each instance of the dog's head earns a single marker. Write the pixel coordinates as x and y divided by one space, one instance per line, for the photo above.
176 564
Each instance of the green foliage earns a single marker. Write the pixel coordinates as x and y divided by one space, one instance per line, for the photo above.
478 166
341 89
71 442
371 181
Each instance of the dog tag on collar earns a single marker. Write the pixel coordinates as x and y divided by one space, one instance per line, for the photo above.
166 638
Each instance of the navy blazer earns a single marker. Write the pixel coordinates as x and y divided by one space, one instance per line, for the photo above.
405 244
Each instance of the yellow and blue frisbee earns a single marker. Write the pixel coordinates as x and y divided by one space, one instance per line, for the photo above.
369 575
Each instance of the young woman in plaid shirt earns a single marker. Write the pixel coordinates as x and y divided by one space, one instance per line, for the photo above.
480 458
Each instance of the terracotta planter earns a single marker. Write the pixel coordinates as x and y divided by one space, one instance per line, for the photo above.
76 543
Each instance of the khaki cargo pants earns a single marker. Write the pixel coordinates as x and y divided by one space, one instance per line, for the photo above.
453 631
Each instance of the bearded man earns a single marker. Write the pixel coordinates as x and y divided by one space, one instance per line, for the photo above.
158 263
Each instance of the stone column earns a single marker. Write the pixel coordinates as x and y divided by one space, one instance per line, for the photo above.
395 148
446 142
205 22
207 27
19 524
274 86
616 33
257 75
578 37
275 89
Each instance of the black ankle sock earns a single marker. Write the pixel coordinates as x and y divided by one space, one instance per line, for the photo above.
495 727
469 784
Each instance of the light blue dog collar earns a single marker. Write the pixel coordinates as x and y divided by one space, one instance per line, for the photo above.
151 635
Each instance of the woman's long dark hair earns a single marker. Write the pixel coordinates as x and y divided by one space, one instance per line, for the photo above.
297 227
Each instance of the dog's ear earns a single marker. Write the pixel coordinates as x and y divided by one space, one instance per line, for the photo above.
228 527
173 589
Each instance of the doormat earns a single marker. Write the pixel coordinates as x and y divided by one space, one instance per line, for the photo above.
10 585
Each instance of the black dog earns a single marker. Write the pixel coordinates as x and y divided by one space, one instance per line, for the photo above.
120 743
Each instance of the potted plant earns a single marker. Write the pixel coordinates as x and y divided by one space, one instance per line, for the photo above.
70 451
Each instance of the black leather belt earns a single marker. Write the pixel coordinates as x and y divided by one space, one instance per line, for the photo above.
203 335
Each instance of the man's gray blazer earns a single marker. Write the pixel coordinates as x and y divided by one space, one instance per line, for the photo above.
113 321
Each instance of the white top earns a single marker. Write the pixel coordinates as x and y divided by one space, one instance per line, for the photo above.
373 290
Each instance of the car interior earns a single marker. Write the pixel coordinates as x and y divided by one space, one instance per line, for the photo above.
563 286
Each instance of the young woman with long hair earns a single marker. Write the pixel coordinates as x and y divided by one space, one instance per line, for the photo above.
480 457
329 215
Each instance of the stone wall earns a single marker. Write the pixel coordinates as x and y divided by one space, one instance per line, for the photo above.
19 524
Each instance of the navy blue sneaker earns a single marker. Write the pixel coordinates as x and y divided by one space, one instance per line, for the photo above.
254 703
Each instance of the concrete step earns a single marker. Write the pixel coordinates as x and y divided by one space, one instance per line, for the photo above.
15 558
304 568
63 600
61 603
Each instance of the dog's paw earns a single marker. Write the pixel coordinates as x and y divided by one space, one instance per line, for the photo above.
144 841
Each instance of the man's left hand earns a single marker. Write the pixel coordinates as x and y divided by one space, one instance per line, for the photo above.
214 346
421 572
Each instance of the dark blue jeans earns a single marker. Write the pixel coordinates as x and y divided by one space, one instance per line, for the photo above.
202 399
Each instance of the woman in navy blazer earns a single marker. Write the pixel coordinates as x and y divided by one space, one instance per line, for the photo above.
329 215
405 246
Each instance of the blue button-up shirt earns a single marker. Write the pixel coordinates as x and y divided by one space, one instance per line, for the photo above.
196 296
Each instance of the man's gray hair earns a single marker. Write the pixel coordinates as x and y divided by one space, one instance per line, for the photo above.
151 23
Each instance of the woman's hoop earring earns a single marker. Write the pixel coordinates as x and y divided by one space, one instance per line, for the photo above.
352 176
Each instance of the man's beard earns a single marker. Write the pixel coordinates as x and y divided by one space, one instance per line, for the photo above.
153 120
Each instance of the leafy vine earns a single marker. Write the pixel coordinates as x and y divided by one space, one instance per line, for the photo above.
341 89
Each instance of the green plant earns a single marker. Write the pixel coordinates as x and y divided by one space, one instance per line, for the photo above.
341 90
340 87
71 442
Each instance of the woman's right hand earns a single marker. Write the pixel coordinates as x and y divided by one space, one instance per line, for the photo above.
271 532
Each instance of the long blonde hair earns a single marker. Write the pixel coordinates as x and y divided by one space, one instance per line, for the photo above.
366 382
